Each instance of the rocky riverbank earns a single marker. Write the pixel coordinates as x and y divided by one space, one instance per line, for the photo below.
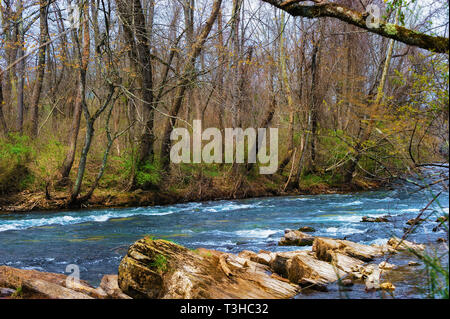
163 269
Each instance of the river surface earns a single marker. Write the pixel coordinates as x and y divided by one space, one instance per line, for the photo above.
96 240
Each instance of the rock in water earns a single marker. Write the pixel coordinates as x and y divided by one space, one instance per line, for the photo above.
324 249
413 263
162 269
309 271
387 286
306 229
367 219
415 221
296 238
401 245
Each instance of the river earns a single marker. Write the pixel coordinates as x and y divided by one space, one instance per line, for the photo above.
96 240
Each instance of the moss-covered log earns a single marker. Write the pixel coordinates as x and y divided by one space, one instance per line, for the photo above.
343 13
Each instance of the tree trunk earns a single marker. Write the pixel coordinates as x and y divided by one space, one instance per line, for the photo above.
186 77
2 116
43 38
80 98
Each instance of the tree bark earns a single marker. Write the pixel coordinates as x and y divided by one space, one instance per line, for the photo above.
43 38
2 116
81 89
136 35
343 13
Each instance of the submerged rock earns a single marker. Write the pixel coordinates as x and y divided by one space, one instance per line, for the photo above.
296 238
387 286
415 221
386 266
367 219
413 263
307 229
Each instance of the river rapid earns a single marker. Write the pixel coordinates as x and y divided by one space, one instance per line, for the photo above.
96 240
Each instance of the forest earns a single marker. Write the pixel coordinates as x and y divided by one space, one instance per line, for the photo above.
91 90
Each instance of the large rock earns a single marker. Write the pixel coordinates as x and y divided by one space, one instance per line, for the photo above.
162 269
296 238
36 284
44 285
308 271
325 247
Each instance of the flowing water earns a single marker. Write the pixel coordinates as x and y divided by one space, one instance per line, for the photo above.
96 240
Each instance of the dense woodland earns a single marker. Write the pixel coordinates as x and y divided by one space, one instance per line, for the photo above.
91 89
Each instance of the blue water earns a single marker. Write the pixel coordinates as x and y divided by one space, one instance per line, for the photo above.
96 240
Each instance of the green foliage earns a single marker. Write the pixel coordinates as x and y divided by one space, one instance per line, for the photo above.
18 293
160 263
15 153
15 148
148 174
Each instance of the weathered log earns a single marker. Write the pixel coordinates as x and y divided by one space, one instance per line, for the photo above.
162 269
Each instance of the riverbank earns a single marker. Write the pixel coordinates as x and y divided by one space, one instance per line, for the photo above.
27 201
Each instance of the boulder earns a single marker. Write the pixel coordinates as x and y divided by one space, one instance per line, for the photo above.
325 247
162 269
310 272
296 238
45 285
